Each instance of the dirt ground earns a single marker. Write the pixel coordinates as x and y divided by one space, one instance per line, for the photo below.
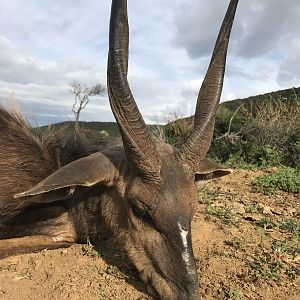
247 246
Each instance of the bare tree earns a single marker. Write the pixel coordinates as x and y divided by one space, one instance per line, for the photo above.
82 94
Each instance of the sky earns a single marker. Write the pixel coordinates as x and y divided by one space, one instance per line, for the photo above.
46 45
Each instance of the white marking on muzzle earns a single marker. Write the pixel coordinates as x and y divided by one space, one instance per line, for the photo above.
186 256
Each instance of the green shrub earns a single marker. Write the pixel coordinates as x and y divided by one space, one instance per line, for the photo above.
238 161
176 130
223 149
262 131
286 179
261 155
292 149
245 155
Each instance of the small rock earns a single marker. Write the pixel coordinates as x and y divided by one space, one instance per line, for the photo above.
238 208
267 210
276 211
252 287
252 218
260 205
18 278
291 211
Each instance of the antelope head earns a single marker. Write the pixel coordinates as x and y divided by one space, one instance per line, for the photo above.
151 186
161 198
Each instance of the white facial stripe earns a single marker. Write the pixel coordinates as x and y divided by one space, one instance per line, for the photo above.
185 255
183 233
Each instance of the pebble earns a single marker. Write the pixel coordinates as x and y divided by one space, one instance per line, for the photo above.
267 210
238 207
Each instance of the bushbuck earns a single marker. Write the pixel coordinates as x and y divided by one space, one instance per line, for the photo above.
138 188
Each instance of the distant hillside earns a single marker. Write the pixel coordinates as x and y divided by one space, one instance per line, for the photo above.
288 95
260 130
110 127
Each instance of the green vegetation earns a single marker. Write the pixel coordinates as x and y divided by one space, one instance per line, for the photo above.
257 132
291 226
253 208
114 271
285 179
225 214
265 265
110 128
267 223
235 243
271 263
261 131
290 247
233 295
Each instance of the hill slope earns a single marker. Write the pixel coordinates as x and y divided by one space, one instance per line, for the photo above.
289 95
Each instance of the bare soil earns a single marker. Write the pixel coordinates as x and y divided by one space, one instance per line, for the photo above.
247 246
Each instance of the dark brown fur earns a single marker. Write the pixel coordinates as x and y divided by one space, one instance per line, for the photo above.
25 159
91 211
28 156
57 190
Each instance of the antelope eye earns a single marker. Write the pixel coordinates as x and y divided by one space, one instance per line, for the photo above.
141 213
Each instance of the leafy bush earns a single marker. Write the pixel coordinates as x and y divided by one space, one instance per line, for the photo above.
238 161
262 131
176 130
286 179
223 150
262 155
246 154
292 149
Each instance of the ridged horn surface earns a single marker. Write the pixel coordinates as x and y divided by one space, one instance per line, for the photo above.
196 146
138 143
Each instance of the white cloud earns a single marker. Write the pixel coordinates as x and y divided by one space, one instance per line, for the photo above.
289 68
44 45
262 43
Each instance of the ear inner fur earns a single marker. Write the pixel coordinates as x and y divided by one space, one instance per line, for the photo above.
86 171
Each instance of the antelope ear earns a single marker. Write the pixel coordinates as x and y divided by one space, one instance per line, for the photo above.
208 170
84 172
